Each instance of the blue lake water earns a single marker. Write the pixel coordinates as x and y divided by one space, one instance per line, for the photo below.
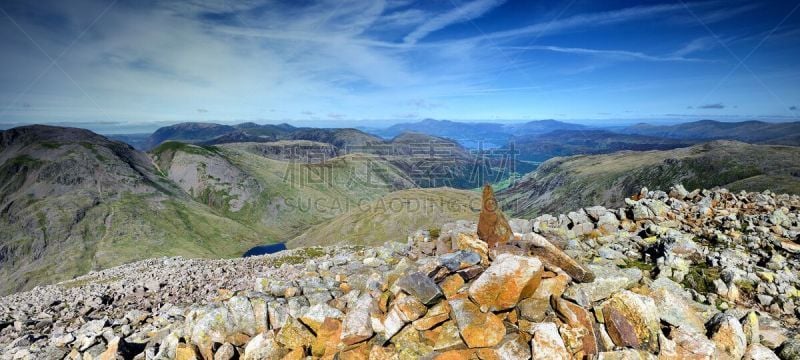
265 249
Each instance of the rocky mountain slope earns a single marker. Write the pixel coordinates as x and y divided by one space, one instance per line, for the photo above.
566 183
72 201
700 274
281 197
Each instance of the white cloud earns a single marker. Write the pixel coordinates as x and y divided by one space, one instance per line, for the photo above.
164 60
586 21
463 13
613 54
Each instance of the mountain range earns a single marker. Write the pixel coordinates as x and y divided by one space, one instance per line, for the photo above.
787 133
72 201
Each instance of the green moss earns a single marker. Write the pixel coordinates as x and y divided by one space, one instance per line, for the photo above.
641 265
745 285
434 233
701 278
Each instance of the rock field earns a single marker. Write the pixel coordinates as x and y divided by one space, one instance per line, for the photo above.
706 274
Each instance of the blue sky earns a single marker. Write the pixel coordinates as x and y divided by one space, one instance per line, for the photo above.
147 63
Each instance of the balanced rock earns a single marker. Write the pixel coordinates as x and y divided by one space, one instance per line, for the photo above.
493 227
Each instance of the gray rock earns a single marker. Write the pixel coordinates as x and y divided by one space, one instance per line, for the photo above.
420 286
608 279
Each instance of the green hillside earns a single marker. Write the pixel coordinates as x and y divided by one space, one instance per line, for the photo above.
567 183
393 217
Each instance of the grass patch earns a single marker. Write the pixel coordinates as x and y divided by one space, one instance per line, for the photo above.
50 145
24 160
187 148
641 265
298 256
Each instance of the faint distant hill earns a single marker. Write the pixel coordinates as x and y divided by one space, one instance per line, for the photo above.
472 134
576 142
747 131
213 134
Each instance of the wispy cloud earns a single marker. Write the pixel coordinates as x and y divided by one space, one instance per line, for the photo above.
697 45
589 20
343 59
716 15
613 54
466 12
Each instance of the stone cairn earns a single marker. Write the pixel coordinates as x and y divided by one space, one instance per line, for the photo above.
684 275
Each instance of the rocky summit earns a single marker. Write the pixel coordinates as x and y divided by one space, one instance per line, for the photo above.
703 274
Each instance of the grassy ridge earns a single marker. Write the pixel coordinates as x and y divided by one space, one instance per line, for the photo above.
565 184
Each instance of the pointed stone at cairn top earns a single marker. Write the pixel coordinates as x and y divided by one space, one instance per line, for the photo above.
493 227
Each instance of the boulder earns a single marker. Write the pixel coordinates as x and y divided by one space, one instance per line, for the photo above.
478 329
420 286
608 280
225 352
328 336
316 315
509 279
513 347
436 315
547 344
790 350
759 352
632 321
552 256
675 310
577 317
264 347
357 326
728 336
690 345
294 335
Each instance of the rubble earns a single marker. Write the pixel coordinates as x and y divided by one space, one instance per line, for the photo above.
651 280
